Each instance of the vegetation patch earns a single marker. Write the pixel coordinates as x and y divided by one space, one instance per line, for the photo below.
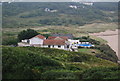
37 63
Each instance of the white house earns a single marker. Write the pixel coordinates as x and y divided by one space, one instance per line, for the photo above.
37 40
88 3
47 10
53 10
51 43
59 42
72 6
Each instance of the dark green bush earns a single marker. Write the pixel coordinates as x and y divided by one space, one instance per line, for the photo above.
46 63
20 64
101 73
109 53
27 34
52 75
9 41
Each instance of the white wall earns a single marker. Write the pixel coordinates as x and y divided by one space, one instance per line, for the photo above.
36 40
23 44
26 40
46 46
73 41
55 46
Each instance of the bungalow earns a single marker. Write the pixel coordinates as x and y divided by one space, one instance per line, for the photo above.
51 43
59 42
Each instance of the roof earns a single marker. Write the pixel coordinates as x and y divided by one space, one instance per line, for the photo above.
54 42
70 36
39 36
51 37
58 37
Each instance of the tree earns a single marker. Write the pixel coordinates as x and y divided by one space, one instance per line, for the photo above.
27 34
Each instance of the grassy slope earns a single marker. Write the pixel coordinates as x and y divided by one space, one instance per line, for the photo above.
70 29
12 14
89 51
44 61
13 11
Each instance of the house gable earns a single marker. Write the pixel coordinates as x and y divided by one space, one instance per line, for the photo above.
36 40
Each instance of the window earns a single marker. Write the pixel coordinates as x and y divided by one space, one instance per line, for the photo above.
28 41
59 46
53 46
67 46
48 46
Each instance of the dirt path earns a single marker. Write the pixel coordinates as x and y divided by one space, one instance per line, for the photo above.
111 37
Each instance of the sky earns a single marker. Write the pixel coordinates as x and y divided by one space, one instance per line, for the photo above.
76 0
58 0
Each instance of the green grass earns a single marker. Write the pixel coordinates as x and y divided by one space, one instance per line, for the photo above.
89 51
75 30
98 39
35 62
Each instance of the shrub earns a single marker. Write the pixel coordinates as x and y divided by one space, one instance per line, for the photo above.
27 34
108 53
9 41
62 74
101 73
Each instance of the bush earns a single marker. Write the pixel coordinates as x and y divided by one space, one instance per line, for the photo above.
20 64
101 73
27 34
9 41
46 63
108 53
62 74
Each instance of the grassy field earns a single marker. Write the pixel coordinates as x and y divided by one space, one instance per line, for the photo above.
75 30
89 51
89 28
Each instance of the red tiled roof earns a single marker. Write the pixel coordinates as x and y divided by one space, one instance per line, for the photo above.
54 37
51 37
54 42
40 36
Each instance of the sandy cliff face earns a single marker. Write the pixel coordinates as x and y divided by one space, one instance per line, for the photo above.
112 37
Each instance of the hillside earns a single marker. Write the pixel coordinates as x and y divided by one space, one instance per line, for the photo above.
59 14
45 63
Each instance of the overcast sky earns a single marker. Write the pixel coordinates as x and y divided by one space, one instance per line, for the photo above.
73 0
60 0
